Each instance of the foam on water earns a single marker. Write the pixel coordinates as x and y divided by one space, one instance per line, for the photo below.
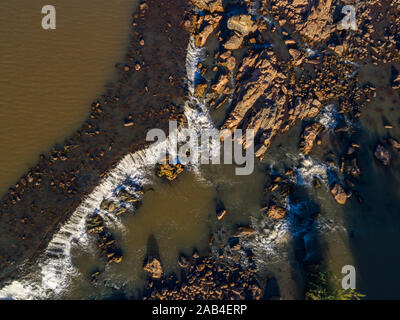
54 271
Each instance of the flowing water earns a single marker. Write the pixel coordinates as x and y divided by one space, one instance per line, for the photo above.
49 78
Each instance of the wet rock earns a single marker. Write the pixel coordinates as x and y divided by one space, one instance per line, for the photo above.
242 24
105 241
276 213
231 63
394 143
126 197
221 213
312 20
382 155
234 243
243 231
154 267
200 89
350 165
339 194
209 5
128 123
308 138
95 224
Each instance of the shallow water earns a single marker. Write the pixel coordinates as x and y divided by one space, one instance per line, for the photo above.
50 77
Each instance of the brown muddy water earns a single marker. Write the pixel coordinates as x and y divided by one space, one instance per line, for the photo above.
49 78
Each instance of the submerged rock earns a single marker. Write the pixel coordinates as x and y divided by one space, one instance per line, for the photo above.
126 197
275 212
209 24
209 5
394 143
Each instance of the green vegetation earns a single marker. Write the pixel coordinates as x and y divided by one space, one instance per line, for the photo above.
326 285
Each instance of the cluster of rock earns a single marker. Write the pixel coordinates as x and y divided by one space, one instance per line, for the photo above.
154 267
308 137
109 250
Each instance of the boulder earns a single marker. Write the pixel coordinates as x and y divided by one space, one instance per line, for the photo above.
243 231
382 154
339 194
234 42
242 24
